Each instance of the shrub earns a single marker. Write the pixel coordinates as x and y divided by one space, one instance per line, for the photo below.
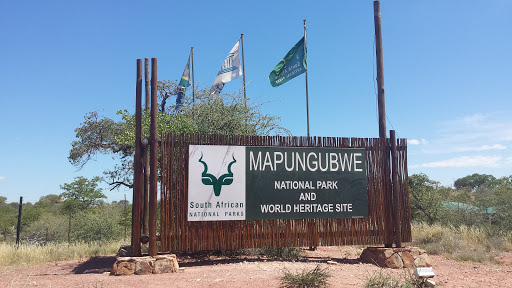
382 280
313 278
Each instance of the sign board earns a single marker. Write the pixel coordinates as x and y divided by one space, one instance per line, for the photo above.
254 182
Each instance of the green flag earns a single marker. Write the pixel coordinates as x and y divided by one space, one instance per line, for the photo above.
293 64
185 78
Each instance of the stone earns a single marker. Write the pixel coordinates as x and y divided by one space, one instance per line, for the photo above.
422 261
145 265
142 268
162 266
395 258
408 260
394 261
125 268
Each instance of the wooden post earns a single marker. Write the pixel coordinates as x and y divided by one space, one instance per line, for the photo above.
125 216
137 166
153 177
396 199
18 228
146 154
380 69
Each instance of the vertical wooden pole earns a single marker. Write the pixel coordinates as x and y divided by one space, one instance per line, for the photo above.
137 166
396 202
18 228
146 154
125 216
380 69
153 177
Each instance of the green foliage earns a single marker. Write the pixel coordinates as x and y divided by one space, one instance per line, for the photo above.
313 278
104 223
475 181
82 193
425 199
49 227
8 218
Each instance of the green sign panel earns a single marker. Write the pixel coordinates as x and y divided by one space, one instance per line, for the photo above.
250 183
302 183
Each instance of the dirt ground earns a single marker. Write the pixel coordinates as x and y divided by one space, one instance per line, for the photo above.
253 272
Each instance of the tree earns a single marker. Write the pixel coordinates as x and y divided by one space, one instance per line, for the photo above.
226 114
79 195
475 181
8 216
425 198
82 193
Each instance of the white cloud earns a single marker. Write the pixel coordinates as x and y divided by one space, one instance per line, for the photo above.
472 133
416 141
481 148
3 177
464 161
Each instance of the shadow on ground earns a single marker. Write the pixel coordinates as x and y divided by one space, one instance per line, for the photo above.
95 265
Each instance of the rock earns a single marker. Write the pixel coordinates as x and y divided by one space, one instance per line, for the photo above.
145 265
422 261
395 258
408 260
142 268
125 268
394 261
430 283
162 266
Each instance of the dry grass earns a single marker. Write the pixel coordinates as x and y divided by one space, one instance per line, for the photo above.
461 243
30 255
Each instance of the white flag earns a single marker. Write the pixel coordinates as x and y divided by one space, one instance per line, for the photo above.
229 70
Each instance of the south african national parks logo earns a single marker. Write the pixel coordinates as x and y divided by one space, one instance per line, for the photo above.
209 179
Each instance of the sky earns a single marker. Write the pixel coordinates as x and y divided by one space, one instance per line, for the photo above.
447 71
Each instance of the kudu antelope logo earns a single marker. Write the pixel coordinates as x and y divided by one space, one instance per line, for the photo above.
209 179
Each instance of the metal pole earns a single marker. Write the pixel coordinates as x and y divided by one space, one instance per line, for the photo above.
153 177
307 96
137 166
380 70
18 228
193 83
243 69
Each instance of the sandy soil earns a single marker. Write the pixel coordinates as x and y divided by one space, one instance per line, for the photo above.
252 272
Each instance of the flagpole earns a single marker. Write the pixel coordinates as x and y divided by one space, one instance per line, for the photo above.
307 96
243 69
193 84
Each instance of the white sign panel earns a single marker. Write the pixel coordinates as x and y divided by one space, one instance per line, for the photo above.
216 183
